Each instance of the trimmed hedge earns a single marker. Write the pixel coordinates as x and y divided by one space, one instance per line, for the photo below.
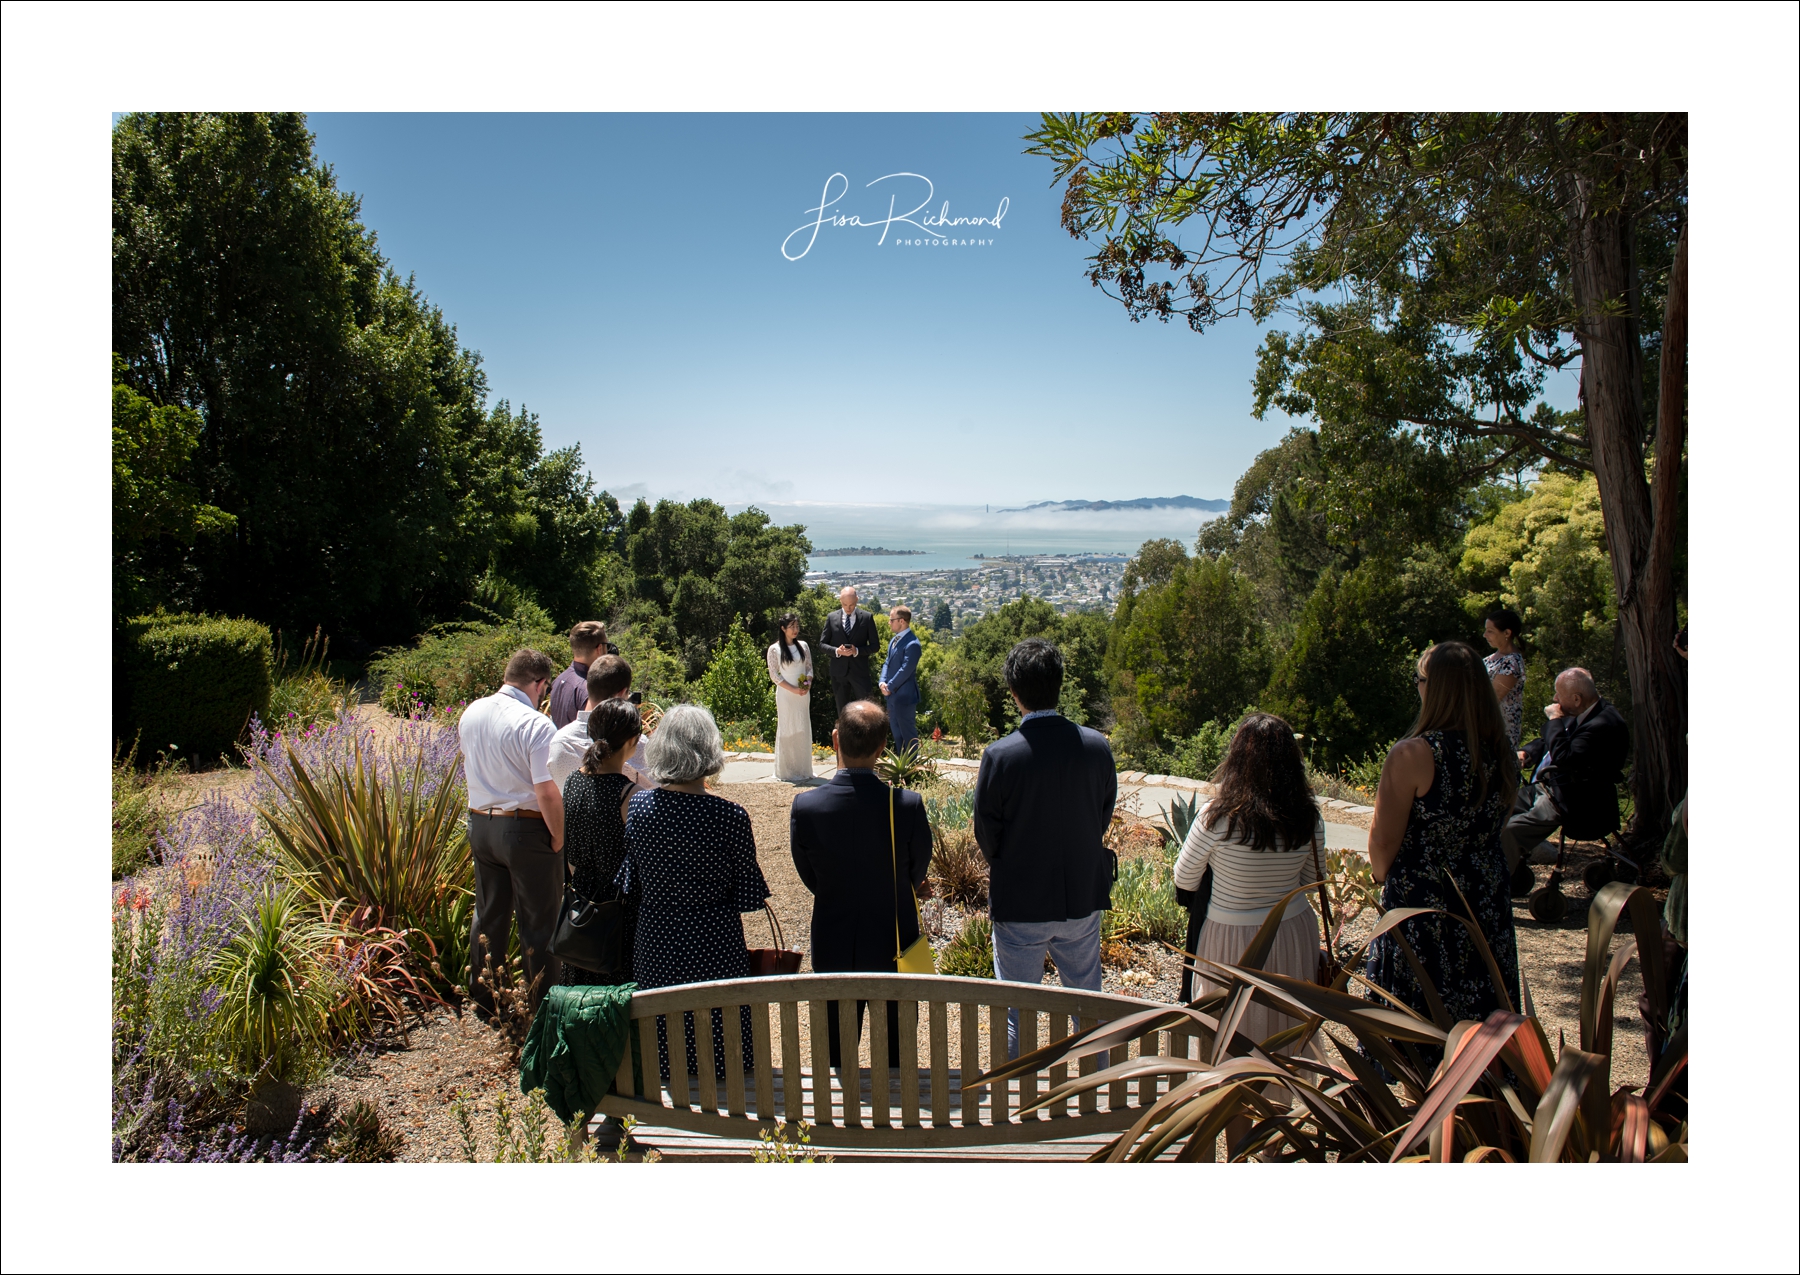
189 683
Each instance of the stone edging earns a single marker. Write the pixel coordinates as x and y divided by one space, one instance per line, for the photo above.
1125 777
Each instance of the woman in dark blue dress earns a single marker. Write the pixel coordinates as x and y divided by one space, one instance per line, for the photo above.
594 822
690 864
1444 796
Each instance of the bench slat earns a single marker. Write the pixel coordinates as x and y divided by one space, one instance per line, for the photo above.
793 1094
1089 1102
999 1097
734 1059
909 1063
703 1059
940 1063
821 1064
881 1110
850 1070
765 1061
652 1091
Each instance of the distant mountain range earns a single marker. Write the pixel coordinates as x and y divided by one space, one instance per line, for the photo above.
1143 502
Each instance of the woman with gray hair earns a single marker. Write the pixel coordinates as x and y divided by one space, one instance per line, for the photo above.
690 864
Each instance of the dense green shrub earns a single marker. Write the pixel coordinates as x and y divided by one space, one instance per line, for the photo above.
189 683
1143 901
456 663
736 685
1197 756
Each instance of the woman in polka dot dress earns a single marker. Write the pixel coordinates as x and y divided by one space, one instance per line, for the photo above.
690 863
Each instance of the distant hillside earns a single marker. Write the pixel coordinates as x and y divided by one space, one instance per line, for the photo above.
1143 502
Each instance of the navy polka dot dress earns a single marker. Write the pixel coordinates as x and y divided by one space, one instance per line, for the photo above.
690 863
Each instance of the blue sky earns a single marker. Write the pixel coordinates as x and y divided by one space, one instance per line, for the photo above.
623 276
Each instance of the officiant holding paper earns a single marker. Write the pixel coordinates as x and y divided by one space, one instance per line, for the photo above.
850 637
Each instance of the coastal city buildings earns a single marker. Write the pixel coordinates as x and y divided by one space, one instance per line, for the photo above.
1069 582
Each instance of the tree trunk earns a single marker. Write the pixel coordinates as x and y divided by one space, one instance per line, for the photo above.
1640 532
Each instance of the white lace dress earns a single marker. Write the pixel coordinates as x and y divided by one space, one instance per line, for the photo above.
793 714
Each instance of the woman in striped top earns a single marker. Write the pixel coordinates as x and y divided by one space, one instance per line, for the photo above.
1261 835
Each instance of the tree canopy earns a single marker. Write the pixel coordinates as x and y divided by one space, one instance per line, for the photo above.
342 433
1440 266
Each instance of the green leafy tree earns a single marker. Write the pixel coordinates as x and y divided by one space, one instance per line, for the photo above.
975 662
1545 557
736 685
157 515
704 569
1346 683
1186 652
341 425
1465 256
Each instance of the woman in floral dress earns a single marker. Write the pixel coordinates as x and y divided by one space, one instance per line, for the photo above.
1506 669
1444 795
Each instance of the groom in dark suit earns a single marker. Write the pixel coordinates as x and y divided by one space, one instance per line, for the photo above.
850 637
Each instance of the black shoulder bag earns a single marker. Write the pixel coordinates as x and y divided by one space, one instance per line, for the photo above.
590 934
1196 901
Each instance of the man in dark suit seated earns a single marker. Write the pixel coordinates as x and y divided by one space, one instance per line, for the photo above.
850 638
863 877
1574 769
1043 801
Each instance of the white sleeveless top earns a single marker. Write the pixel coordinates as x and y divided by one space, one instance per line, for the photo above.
1246 882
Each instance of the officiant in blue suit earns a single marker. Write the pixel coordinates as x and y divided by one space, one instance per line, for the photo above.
900 680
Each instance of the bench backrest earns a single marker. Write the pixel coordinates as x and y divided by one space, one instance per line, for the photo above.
950 1029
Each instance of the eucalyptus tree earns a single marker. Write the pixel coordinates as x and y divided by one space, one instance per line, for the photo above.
1439 267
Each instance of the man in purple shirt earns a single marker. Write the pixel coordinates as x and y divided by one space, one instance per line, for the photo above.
568 693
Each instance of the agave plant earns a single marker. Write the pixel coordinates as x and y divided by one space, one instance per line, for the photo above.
904 768
1178 821
1500 1092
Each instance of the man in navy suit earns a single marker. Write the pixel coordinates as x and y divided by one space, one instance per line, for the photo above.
1043 801
863 872
900 680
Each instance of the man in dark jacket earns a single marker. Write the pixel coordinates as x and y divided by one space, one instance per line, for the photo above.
1574 769
849 637
863 877
1043 801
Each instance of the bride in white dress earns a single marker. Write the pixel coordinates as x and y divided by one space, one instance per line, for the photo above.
791 669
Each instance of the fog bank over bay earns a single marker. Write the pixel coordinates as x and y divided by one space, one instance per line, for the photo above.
948 536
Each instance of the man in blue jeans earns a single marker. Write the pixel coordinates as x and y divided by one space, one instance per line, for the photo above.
1043 801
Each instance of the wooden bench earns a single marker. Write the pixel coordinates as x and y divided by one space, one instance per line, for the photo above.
946 1028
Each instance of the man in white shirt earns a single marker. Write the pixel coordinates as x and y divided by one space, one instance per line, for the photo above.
515 827
609 677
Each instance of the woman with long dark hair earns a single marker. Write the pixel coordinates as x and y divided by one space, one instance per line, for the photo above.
791 669
1435 840
1261 836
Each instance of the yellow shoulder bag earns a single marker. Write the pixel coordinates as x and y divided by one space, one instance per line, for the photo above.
918 958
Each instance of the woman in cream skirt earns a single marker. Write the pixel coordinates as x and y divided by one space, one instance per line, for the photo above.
1262 836
791 669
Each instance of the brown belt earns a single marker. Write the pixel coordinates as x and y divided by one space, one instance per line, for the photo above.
507 814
